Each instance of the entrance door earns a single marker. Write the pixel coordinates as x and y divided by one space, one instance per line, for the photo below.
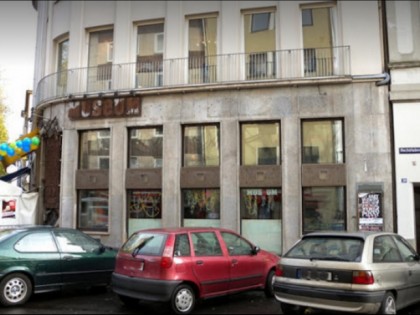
417 210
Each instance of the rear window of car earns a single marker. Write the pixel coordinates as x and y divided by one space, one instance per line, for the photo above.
148 244
327 248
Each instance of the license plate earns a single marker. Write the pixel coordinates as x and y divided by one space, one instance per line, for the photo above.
313 275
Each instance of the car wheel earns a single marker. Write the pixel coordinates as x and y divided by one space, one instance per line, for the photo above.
128 301
269 282
388 304
183 299
16 289
291 309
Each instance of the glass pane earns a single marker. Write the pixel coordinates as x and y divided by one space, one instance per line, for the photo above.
206 244
323 209
260 144
93 210
261 203
94 149
145 148
36 243
201 146
149 69
201 203
145 204
202 49
100 60
62 62
76 242
323 142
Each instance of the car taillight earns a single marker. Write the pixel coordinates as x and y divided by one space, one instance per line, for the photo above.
363 277
166 261
279 270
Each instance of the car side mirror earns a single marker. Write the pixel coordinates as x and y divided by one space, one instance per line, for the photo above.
255 250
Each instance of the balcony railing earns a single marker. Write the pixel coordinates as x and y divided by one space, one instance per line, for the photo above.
155 73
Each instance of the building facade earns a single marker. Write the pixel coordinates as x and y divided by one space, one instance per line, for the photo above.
403 23
267 117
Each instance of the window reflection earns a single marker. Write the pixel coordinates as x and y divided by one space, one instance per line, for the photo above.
94 149
145 147
201 203
93 210
201 145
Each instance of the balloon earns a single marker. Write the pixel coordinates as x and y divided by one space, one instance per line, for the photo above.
13 145
1 157
10 151
26 147
35 141
27 141
2 153
3 146
19 143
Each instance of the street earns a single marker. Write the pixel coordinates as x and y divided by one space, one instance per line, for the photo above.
91 302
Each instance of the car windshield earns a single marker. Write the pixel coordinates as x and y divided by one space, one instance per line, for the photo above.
327 248
145 244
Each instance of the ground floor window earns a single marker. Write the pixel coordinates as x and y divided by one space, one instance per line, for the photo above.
201 207
144 209
93 212
323 209
261 217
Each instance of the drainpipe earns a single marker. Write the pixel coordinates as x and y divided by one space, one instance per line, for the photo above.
385 78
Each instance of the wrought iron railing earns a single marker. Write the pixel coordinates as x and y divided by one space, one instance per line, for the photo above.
158 73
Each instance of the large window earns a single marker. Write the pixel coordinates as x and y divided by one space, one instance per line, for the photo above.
62 65
261 217
202 49
94 149
100 60
260 44
323 141
201 207
150 45
201 145
144 209
260 143
323 209
145 147
93 210
318 29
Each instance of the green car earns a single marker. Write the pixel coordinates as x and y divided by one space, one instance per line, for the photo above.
40 259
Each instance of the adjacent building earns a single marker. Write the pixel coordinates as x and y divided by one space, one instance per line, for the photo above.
271 118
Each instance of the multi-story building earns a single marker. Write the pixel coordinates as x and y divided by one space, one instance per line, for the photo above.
267 117
403 21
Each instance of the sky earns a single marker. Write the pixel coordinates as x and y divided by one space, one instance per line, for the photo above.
17 59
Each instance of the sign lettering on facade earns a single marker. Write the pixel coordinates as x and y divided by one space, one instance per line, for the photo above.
105 108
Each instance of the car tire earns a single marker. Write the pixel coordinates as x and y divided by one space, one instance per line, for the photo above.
269 282
128 301
388 305
183 299
291 309
16 289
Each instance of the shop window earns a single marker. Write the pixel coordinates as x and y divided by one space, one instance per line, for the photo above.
93 212
323 141
144 209
324 209
145 147
261 217
260 143
94 149
201 206
201 145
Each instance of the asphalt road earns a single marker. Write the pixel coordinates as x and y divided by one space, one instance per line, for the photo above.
88 302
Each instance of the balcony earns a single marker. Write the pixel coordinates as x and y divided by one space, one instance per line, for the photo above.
154 74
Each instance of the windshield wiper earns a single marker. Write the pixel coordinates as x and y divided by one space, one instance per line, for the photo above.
141 245
328 258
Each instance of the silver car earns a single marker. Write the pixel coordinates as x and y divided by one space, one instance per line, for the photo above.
361 272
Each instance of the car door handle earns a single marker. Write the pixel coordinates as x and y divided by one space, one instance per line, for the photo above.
234 262
410 273
67 257
199 262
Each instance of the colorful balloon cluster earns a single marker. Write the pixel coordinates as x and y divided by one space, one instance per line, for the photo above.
19 148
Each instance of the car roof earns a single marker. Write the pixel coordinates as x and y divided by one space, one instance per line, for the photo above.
170 230
359 234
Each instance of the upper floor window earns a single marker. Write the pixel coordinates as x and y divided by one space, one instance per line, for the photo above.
202 49
260 143
201 145
101 51
94 149
150 41
322 141
62 61
260 43
145 147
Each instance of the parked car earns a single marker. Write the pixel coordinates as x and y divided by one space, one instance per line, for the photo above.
181 265
361 272
39 259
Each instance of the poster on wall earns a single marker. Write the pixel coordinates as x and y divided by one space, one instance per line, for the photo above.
370 211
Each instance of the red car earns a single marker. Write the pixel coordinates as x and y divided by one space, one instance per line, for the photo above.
181 265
